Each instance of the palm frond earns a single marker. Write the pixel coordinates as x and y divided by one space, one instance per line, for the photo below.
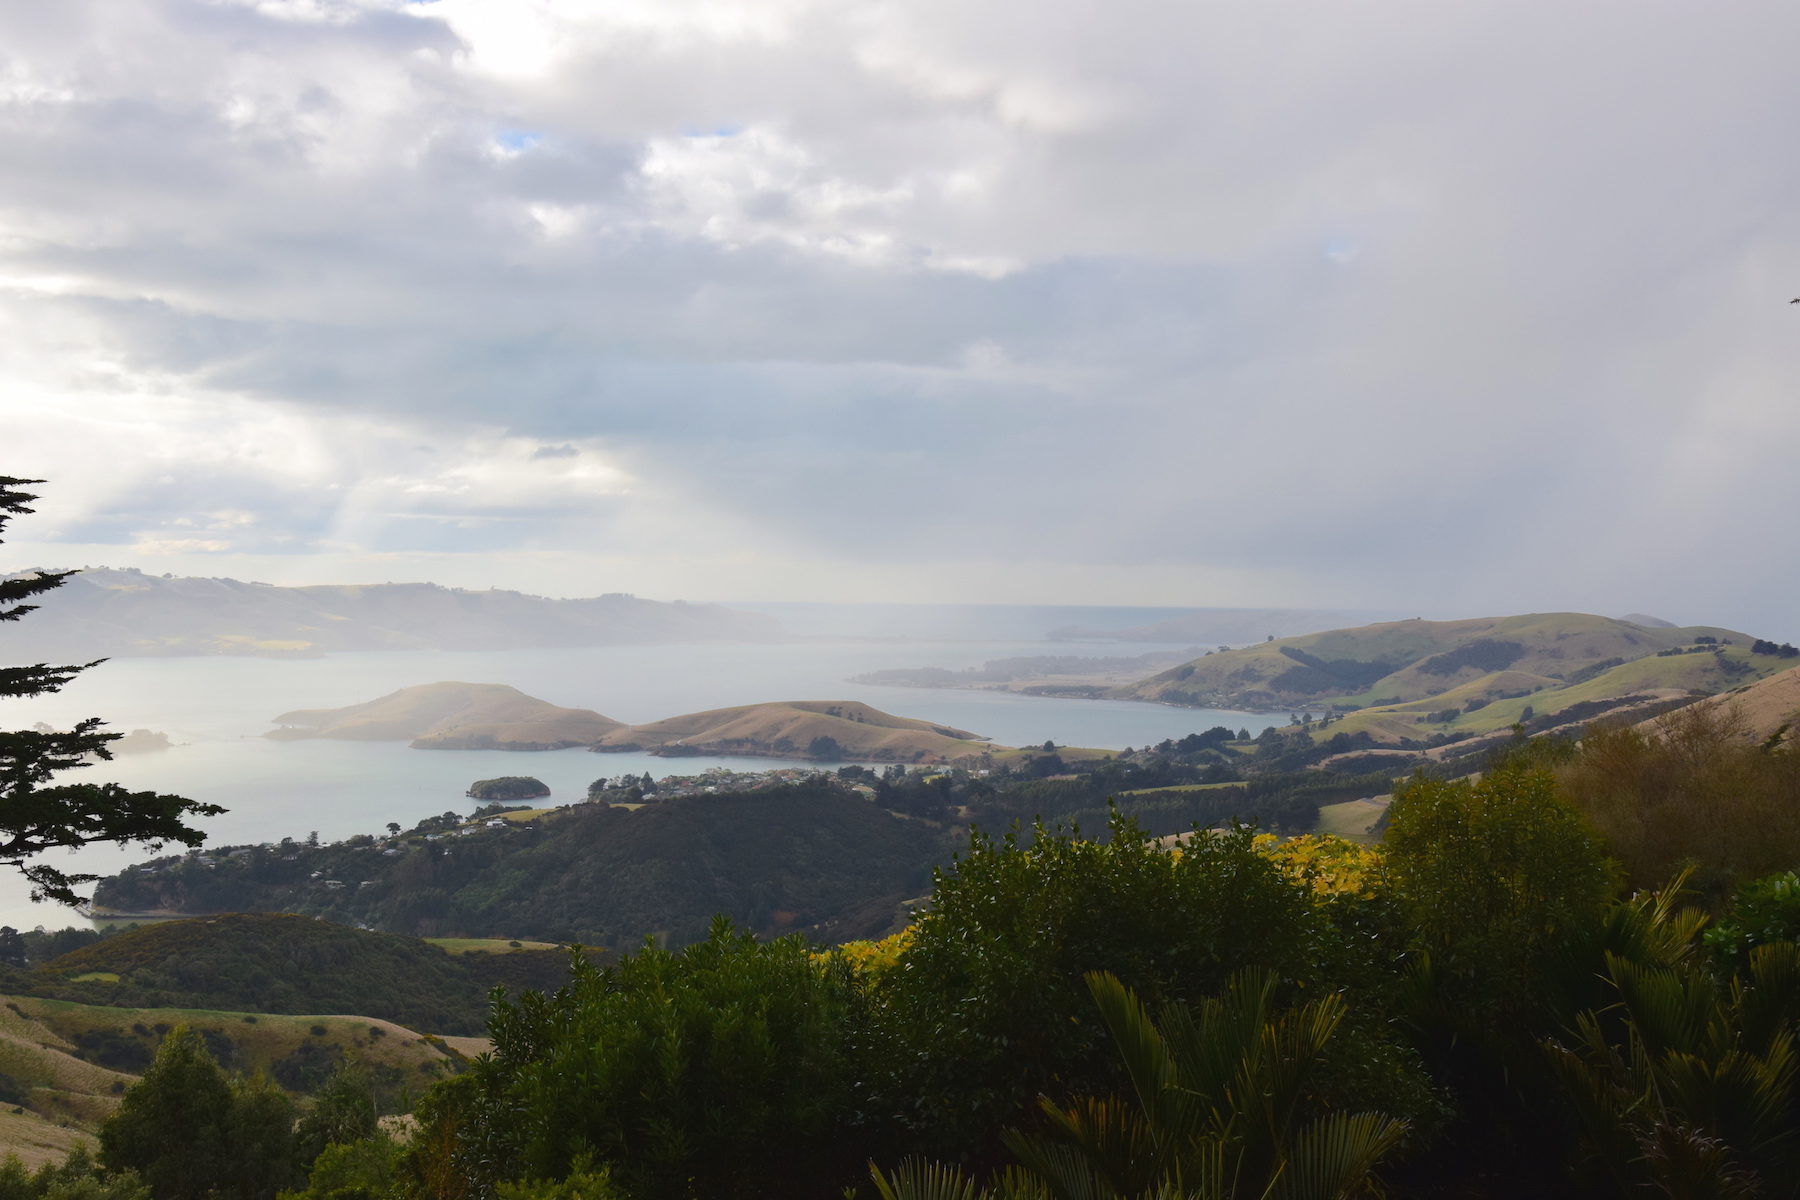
1065 1172
1146 1056
1769 1001
1333 1157
1111 1135
915 1179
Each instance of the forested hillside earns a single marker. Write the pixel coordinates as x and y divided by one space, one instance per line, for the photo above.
773 859
817 855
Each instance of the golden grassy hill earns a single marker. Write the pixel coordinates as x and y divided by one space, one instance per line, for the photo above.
452 716
1499 701
1767 704
824 730
1403 661
64 1065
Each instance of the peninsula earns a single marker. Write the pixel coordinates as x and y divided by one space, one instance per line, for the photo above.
824 730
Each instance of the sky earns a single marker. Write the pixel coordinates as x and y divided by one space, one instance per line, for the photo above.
1474 308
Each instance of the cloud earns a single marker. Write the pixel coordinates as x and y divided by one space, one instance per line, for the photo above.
1471 307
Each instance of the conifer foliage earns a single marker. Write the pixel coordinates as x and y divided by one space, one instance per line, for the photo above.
36 815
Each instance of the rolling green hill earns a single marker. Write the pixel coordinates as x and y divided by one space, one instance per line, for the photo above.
1406 681
1411 660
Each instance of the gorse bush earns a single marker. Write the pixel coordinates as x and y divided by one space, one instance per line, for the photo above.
739 1068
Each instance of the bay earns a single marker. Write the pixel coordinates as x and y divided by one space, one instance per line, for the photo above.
215 710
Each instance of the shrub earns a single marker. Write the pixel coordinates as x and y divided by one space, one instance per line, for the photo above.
1491 874
189 1131
1762 911
343 1111
986 1009
364 1169
77 1177
1693 792
722 1070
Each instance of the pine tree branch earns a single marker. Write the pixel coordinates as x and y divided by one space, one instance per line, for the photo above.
39 679
35 818
28 585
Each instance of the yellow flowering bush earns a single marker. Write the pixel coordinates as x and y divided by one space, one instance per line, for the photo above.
1329 865
870 960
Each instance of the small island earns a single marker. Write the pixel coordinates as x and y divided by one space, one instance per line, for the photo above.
142 741
507 787
452 716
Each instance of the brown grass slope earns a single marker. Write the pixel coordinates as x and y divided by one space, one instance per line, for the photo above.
65 1065
452 716
1405 661
791 729
1764 706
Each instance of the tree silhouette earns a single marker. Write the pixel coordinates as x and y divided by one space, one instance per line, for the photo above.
34 816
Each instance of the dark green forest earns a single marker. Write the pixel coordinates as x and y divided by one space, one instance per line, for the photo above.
275 963
815 856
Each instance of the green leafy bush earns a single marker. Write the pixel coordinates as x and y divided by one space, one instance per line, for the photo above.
364 1169
1491 874
77 1177
987 1009
721 1070
1762 911
190 1131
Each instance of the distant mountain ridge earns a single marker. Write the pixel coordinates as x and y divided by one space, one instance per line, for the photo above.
128 614
1231 626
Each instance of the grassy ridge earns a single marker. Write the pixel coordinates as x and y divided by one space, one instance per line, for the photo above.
1400 662
64 1065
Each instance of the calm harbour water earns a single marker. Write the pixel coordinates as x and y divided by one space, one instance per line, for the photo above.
216 709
